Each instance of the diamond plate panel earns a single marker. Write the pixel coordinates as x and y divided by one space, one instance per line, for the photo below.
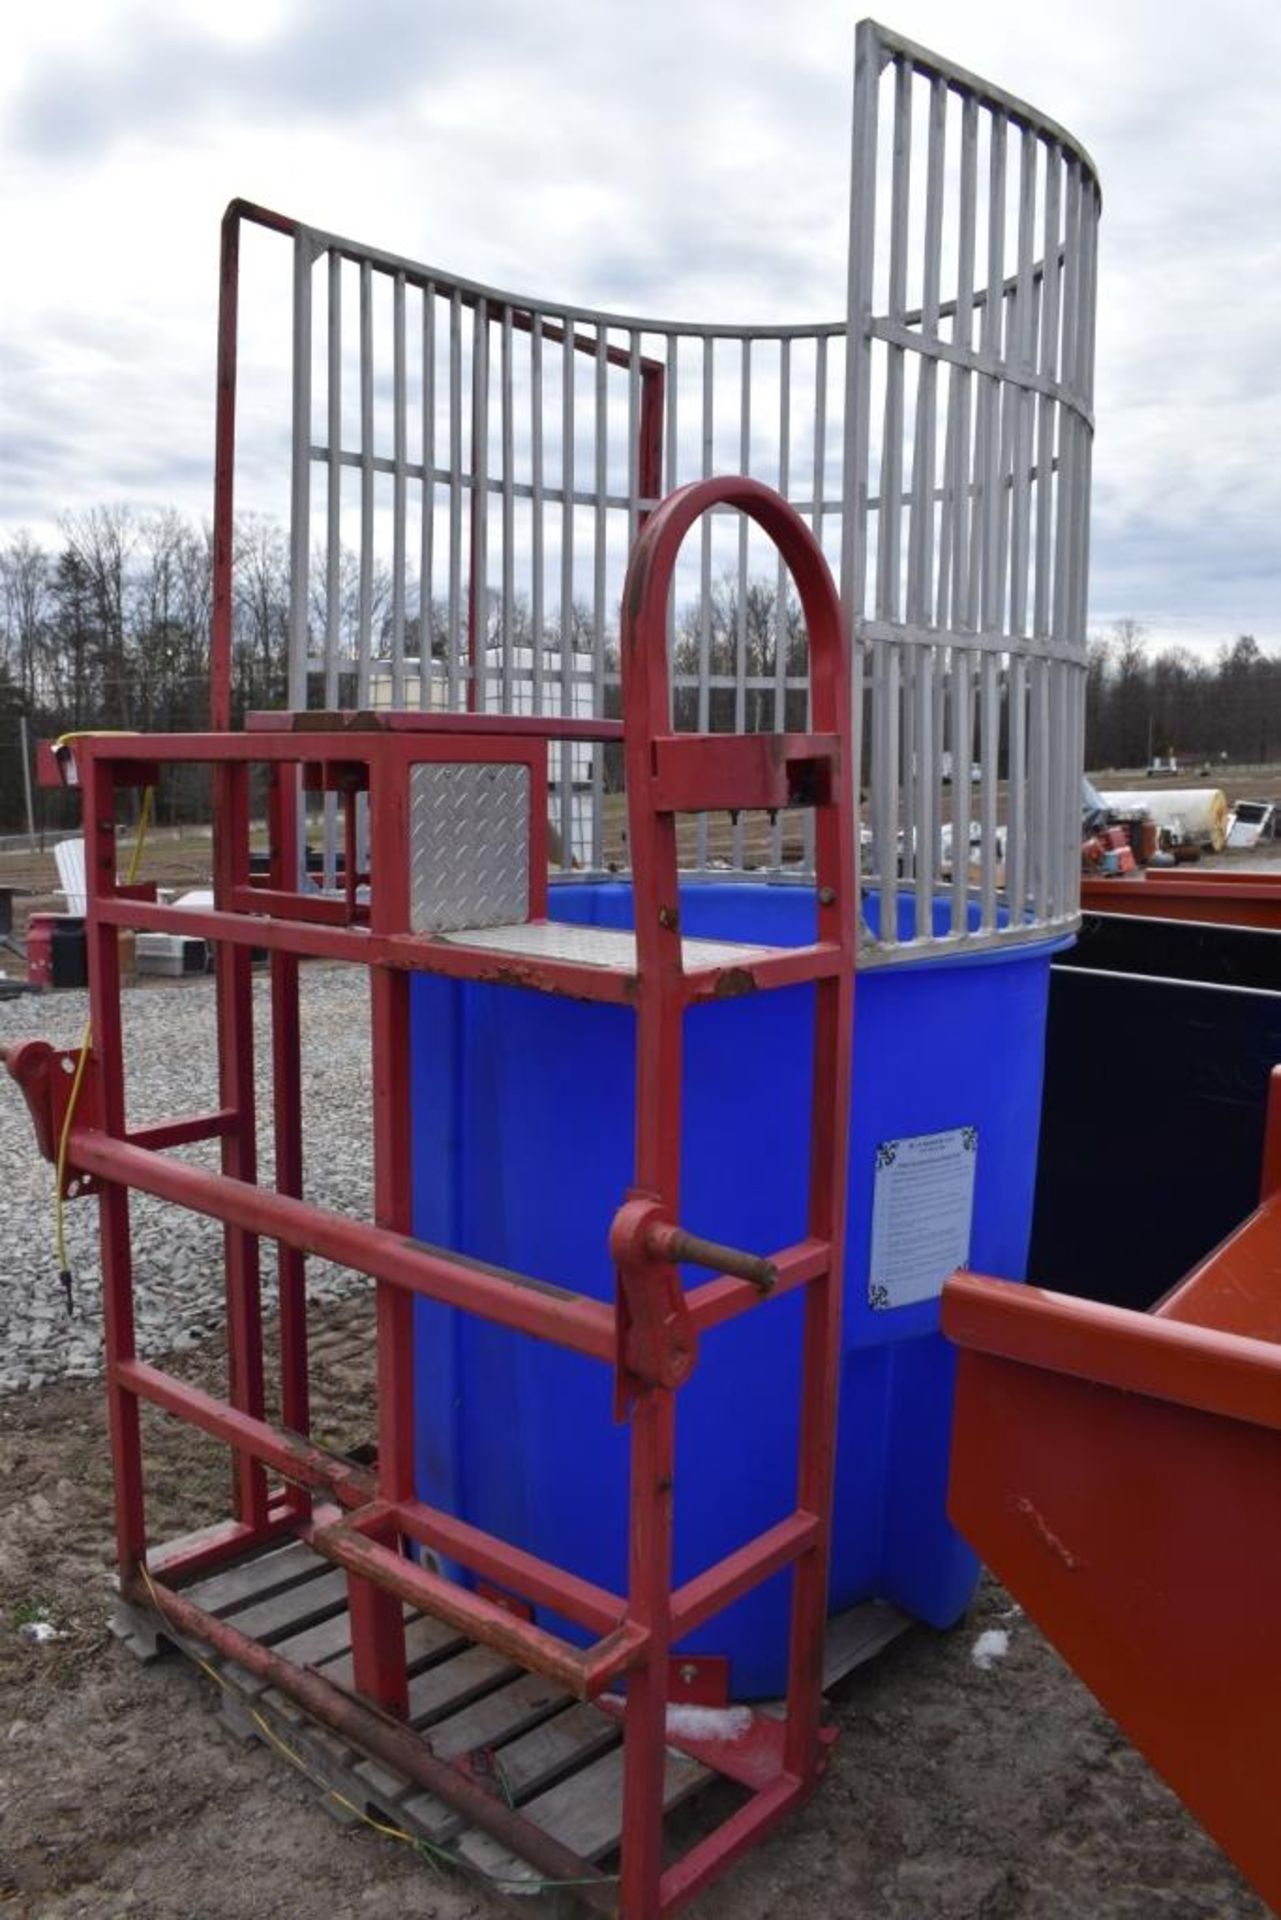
468 846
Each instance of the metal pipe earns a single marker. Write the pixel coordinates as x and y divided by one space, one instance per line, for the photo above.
397 1747
680 1248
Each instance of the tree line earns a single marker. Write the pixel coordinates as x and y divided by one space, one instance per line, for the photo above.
1141 705
111 628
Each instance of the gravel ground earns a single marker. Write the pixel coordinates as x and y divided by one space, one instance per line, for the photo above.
975 1778
171 1058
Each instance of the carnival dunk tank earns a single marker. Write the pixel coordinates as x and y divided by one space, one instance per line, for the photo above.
835 731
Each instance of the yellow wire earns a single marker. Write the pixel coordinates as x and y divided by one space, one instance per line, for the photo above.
426 1849
86 1044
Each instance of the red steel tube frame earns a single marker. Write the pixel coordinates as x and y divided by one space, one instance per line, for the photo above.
639 1334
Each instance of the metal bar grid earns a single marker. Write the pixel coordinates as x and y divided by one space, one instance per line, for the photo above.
961 490
649 1336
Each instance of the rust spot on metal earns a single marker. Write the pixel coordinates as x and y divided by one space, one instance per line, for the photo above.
734 982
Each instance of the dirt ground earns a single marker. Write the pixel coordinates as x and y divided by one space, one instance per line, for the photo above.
956 1793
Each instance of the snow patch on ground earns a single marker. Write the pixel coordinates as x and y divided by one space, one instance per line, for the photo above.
992 1645
708 1723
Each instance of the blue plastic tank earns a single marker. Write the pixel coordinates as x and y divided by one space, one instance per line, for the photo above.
522 1108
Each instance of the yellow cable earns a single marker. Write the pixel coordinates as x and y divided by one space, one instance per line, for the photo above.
86 1043
426 1849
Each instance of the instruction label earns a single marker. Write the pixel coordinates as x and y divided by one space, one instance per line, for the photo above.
922 1212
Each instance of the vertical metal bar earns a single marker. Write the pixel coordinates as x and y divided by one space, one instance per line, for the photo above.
1040 757
985 535
427 539
568 396
1071 895
985 585
858 393
920 597
782 578
300 488
991 724
1068 420
1024 354
365 589
378 1634
886 745
705 583
671 471
478 584
889 551
454 659
113 1201
962 754
509 518
1064 794
633 436
1016 820
889 531
333 518
224 517
398 508
235 1019
286 1095
921 543
740 625
962 597
1051 285
538 537
600 535
817 519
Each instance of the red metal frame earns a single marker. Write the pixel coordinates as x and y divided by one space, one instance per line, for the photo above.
1223 896
1119 1472
649 1336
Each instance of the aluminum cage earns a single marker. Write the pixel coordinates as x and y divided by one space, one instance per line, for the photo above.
470 468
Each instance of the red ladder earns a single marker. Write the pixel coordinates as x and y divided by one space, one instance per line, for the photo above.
363 1520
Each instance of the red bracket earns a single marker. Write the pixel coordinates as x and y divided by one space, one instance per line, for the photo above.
657 1344
46 1076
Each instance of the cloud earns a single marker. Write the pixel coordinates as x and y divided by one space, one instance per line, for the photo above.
685 160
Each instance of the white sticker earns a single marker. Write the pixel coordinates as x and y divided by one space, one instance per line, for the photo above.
921 1214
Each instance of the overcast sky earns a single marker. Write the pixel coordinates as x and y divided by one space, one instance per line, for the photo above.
688 158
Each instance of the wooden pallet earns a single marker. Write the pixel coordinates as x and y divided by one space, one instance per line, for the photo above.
559 1760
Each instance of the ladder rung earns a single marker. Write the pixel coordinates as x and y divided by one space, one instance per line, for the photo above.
584 1672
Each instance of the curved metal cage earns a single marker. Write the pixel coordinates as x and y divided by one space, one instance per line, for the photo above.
470 468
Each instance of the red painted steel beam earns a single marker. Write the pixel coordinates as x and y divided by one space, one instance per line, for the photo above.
396 1747
711 1592
663 994
525 1573
564 1319
1229 899
291 1454
725 1298
181 1133
728 1843
452 959
1197 1367
195 1555
352 726
584 1672
1130 1506
704 772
